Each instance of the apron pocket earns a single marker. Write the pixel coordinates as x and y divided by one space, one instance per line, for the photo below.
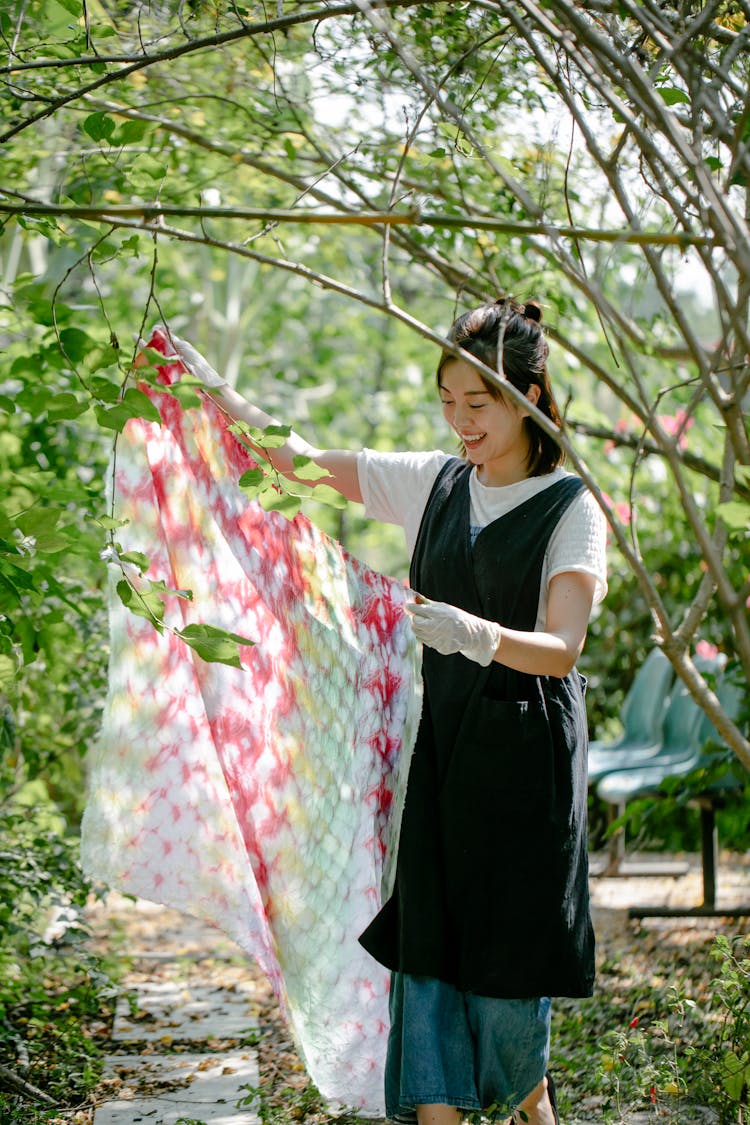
508 748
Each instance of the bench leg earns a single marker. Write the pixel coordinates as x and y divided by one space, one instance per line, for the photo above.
709 853
709 862
616 850
617 867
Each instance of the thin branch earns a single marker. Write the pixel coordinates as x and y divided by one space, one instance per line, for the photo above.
14 1081
633 441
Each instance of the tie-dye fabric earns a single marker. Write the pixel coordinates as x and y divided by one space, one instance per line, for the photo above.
265 799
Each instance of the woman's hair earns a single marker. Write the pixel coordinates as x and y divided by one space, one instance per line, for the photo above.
508 337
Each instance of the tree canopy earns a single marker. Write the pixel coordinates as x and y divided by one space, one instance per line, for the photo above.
310 191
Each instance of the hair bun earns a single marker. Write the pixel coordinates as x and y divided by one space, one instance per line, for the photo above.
532 311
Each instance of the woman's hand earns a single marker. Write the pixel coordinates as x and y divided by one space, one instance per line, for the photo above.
449 629
195 363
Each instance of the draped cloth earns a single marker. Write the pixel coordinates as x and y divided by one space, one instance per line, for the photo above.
264 799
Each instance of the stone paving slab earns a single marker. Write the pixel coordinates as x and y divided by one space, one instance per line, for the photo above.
167 1089
172 1010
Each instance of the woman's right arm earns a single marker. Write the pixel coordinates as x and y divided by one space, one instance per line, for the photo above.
340 463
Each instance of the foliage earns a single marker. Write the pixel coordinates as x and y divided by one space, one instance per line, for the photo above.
55 995
684 1052
723 1062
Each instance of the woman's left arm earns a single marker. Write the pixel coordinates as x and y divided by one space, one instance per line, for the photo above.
553 652
570 596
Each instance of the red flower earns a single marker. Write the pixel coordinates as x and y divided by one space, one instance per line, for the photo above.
635 1021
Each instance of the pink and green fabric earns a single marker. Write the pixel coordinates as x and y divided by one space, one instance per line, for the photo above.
264 799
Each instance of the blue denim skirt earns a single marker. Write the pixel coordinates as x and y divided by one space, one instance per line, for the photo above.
455 1048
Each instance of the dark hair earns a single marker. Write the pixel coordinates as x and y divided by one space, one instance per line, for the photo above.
508 337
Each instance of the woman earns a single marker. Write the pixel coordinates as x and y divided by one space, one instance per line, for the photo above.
490 916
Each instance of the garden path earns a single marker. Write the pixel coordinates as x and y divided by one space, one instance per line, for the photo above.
197 1027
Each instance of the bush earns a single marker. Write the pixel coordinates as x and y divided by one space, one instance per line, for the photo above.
55 993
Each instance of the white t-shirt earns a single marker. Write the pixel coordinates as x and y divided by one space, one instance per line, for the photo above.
396 486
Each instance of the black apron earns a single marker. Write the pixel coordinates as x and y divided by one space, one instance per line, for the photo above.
491 891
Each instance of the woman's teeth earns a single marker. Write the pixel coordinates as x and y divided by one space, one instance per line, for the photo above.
473 440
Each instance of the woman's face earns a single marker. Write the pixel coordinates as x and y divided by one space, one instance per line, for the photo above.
491 429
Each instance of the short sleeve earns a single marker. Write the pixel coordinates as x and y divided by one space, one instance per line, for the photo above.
396 486
579 543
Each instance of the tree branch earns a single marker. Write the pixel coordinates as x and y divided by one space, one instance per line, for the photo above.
650 448
151 212
10 1079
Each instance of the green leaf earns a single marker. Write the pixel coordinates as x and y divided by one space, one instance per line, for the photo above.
185 394
130 132
306 469
137 558
75 343
671 95
99 126
132 245
143 603
283 502
150 166
100 357
40 524
253 482
159 585
141 405
134 404
57 16
108 523
65 405
7 673
33 399
214 645
272 437
112 417
38 520
104 389
327 495
736 1072
735 514
242 431
153 358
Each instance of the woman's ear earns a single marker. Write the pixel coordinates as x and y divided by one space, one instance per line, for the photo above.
533 393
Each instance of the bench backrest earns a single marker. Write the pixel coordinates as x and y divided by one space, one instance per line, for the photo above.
646 703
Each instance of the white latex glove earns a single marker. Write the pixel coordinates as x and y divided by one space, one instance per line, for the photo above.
448 629
195 363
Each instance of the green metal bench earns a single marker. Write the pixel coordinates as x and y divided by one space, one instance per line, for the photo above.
687 745
642 719
643 715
